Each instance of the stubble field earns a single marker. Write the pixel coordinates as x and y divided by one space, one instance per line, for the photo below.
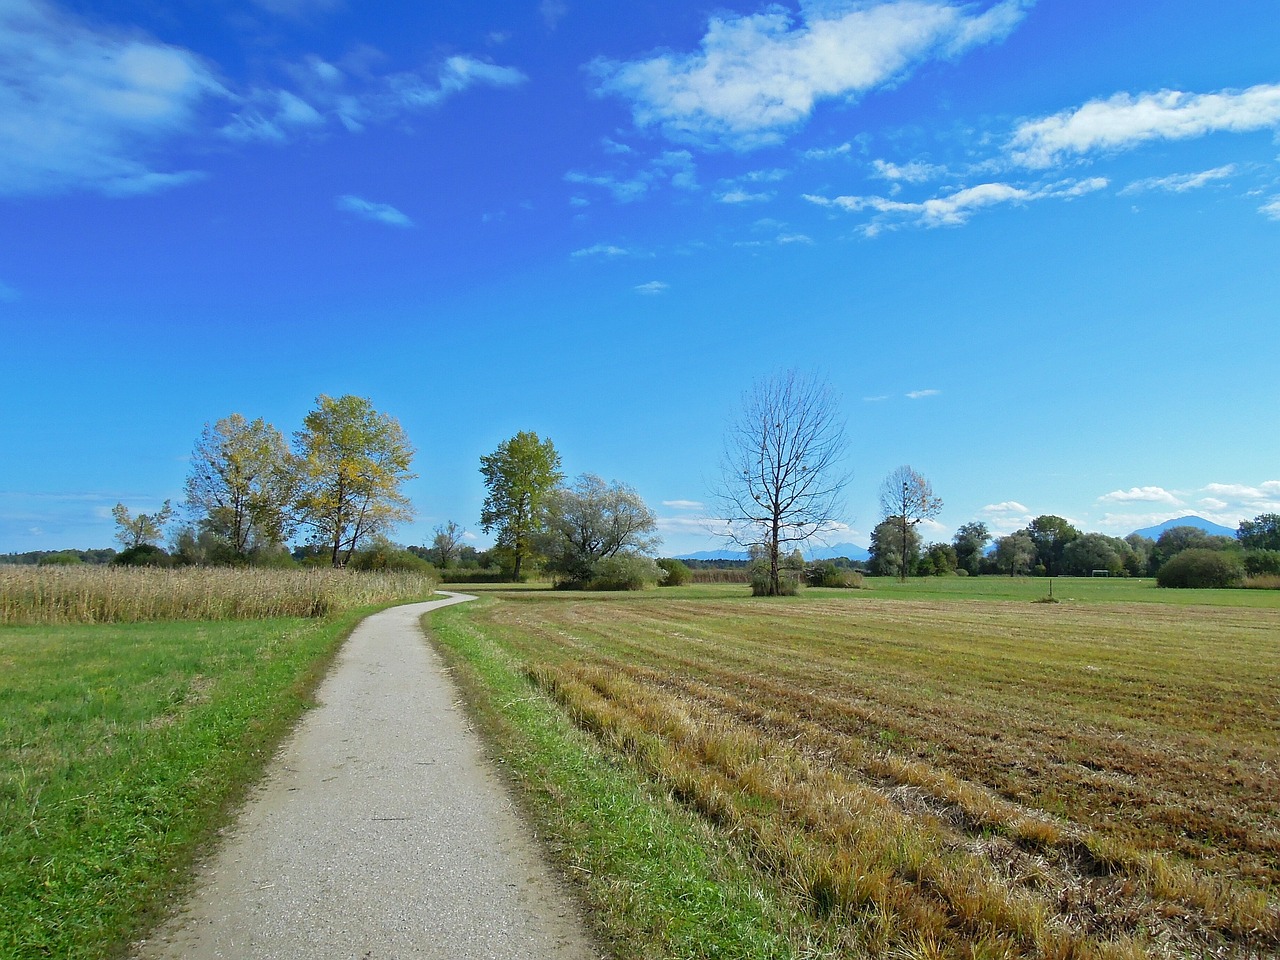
947 777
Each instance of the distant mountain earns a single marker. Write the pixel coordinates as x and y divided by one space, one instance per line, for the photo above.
1207 526
850 550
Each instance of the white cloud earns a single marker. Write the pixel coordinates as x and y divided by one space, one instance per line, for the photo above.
914 172
741 196
921 394
1182 182
684 504
1125 121
87 108
553 11
829 153
954 208
1264 498
624 191
757 76
1005 507
601 250
1271 209
652 288
377 212
1142 495
673 167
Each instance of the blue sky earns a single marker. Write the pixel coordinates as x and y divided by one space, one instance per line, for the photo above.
1034 246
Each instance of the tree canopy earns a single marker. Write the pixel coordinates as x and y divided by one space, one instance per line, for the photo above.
592 521
521 475
353 462
908 497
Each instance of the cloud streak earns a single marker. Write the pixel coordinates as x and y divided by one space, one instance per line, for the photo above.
377 212
1124 121
756 77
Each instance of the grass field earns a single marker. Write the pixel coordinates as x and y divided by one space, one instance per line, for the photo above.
934 771
124 745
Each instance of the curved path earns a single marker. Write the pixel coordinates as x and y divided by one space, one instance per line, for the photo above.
380 831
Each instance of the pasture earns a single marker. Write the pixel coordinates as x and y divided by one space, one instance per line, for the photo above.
124 745
911 775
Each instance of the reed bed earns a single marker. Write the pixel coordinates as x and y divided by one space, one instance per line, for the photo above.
71 595
953 780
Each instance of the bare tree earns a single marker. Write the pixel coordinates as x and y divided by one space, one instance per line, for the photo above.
448 542
782 479
908 498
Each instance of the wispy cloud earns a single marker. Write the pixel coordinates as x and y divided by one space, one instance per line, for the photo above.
377 212
915 172
954 208
675 168
326 93
652 288
1182 182
758 76
299 9
1271 209
742 196
1124 121
601 250
1142 495
684 504
921 394
828 153
85 107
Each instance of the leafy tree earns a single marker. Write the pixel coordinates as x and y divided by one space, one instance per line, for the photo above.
677 573
886 548
1201 567
1138 563
1015 553
447 543
1260 533
146 529
1051 535
781 480
521 476
1094 551
970 544
353 462
907 496
592 521
1175 540
242 482
938 560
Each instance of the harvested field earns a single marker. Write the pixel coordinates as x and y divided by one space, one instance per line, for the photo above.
946 778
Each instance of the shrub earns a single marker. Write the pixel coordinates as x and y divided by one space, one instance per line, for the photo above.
1257 563
828 574
625 572
143 555
63 558
388 557
677 574
1202 568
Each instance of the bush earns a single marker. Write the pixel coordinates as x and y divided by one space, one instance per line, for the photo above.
143 555
1202 568
828 574
623 572
1257 563
677 574
63 558
388 557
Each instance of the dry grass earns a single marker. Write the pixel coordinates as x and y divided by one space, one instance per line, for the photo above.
954 779
67 595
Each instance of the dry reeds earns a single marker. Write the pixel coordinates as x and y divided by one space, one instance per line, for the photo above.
63 595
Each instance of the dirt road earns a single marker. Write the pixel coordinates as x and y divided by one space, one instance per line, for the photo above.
380 831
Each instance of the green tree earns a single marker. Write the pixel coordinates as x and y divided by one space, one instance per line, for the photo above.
352 463
907 496
970 543
1260 533
243 480
886 548
521 476
1094 551
145 529
1015 553
781 477
1051 535
1175 540
938 560
592 521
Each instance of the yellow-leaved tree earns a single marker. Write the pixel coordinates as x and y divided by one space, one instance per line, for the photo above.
352 463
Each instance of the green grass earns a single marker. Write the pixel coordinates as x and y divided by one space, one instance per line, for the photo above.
122 748
658 884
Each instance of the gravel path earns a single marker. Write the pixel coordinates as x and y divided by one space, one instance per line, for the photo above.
380 831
